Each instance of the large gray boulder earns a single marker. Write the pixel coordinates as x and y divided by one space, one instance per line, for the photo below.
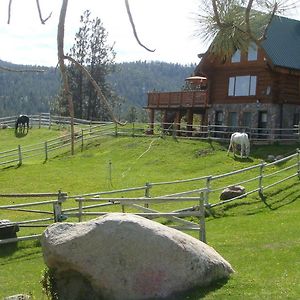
124 256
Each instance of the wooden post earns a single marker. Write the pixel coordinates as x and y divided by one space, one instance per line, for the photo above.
151 125
40 120
50 121
90 126
298 162
20 155
202 232
46 151
189 122
79 210
59 216
174 131
132 129
147 192
206 195
82 139
116 129
208 132
260 178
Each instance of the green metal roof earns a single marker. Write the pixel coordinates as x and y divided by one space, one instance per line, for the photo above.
282 43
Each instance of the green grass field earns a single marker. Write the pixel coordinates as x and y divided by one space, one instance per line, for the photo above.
259 238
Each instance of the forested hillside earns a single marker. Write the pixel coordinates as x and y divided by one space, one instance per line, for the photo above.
133 80
34 92
27 92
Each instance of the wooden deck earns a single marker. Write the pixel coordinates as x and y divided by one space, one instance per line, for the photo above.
183 99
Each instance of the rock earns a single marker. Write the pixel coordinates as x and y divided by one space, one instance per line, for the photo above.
232 192
271 158
124 256
3 126
279 157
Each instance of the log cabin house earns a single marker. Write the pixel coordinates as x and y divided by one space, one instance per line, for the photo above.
258 89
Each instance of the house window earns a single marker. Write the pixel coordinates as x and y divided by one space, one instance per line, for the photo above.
252 52
219 118
242 86
233 119
236 57
246 119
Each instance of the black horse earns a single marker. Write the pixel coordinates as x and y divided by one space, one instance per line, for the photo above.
21 123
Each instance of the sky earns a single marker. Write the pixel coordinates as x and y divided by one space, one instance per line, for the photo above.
168 26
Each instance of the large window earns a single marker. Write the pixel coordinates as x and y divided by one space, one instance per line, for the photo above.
252 52
242 86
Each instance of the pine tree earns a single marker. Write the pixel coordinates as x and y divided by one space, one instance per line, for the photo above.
91 49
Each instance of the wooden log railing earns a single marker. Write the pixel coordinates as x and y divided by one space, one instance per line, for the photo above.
177 99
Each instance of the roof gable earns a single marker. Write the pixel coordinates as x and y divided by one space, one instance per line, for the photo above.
282 43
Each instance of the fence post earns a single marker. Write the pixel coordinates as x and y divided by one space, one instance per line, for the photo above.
298 162
174 131
260 178
202 232
207 190
40 120
132 129
82 139
57 210
147 192
80 210
116 129
20 155
208 132
46 151
49 121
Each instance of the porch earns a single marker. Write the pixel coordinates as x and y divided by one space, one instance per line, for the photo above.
175 105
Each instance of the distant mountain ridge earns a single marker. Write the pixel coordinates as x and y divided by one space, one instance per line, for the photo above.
34 92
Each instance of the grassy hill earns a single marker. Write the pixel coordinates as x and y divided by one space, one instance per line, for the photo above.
259 238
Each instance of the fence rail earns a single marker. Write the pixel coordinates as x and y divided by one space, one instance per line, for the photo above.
257 179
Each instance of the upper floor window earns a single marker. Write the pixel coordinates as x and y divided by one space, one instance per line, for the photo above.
242 86
252 52
236 57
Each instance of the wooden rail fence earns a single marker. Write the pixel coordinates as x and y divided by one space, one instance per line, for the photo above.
256 179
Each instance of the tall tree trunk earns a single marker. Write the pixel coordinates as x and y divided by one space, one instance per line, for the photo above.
61 57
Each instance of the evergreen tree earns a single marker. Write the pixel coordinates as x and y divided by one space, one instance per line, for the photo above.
91 49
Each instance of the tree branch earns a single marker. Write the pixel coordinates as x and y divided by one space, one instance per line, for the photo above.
43 21
133 27
247 21
96 87
264 35
216 13
9 11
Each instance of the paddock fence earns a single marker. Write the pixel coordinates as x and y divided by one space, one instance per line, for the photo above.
212 132
56 146
183 210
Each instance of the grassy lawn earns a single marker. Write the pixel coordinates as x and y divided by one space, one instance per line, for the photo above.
260 239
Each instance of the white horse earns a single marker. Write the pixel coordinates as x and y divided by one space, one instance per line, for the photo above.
241 139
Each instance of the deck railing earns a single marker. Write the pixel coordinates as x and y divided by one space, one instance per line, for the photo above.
177 99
